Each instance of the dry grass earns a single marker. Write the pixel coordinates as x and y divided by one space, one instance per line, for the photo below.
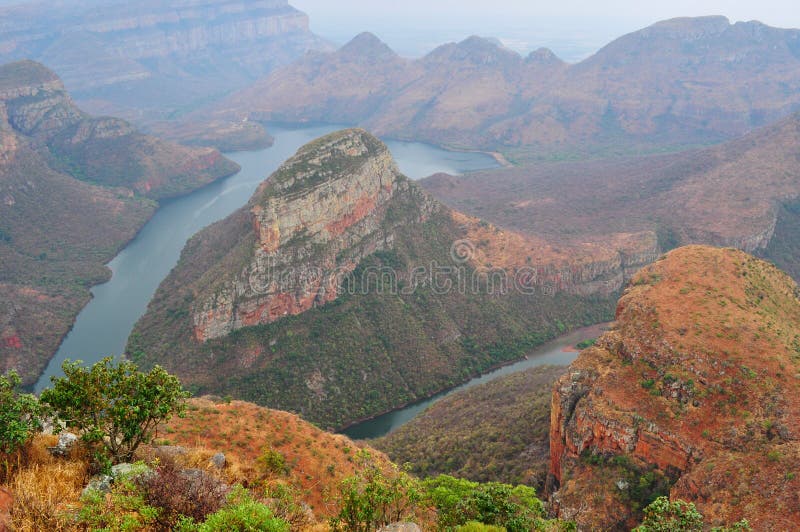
46 490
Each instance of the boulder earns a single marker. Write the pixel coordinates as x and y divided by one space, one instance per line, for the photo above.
66 442
218 460
101 483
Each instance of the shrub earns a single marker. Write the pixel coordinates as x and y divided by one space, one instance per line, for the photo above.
115 407
125 509
474 526
180 493
458 501
662 515
241 513
19 418
371 499
272 462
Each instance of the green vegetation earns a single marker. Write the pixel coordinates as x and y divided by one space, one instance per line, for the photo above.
585 344
115 406
663 515
498 431
241 514
19 420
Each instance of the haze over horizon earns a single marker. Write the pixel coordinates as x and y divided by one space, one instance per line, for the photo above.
573 29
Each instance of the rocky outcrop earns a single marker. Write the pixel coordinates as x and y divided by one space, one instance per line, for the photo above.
314 221
691 387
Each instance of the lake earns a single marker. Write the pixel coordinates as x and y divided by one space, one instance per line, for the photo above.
103 326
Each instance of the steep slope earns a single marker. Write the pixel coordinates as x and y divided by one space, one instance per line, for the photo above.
737 194
498 431
678 82
342 291
73 191
692 393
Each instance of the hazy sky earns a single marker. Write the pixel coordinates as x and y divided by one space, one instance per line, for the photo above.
573 28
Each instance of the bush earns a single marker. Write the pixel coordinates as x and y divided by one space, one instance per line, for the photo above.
115 407
241 513
181 494
19 419
124 509
662 515
458 502
371 499
474 526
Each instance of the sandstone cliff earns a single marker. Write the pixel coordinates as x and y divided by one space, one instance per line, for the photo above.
691 394
73 190
678 82
342 290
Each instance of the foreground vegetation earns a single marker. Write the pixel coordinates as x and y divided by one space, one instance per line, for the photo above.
184 491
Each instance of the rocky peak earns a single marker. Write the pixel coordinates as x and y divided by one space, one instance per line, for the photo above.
475 50
366 45
543 56
693 391
313 221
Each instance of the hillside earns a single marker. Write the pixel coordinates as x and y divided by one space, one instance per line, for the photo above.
73 190
742 194
692 393
497 431
342 291
149 61
680 82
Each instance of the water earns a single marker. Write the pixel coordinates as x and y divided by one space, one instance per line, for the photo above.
102 328
559 352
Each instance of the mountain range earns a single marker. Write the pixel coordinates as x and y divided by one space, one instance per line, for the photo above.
74 190
680 82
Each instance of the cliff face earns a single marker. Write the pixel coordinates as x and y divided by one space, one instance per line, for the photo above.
692 394
346 287
147 61
73 190
713 80
314 221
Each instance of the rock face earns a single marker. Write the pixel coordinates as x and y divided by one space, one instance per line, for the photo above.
714 80
313 221
73 190
691 394
339 262
146 59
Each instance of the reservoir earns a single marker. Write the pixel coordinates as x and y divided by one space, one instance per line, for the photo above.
103 326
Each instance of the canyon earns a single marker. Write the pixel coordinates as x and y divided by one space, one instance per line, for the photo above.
74 190
330 267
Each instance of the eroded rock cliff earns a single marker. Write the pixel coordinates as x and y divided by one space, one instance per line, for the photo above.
692 394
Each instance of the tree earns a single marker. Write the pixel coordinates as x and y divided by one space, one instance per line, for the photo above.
19 417
115 407
662 515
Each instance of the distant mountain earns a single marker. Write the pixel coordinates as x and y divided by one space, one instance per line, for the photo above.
692 395
744 193
342 290
678 82
149 60
73 190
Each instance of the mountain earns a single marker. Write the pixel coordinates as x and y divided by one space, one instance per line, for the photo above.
151 61
691 394
743 193
679 82
342 290
73 190
497 431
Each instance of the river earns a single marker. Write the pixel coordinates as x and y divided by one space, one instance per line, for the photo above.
559 352
103 326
